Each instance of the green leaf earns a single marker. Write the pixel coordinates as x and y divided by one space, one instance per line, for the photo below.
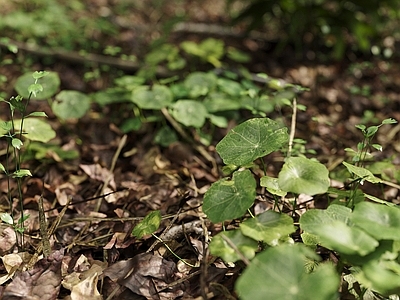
272 185
220 247
335 230
157 98
36 114
200 83
35 89
348 240
2 168
50 84
315 217
250 140
228 199
36 130
382 276
218 121
5 126
39 74
6 218
70 105
279 273
389 121
165 136
21 173
148 225
189 113
362 173
303 176
268 227
380 221
16 143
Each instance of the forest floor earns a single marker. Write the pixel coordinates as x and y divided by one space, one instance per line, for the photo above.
116 180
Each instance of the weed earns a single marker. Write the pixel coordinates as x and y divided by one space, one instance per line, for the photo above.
14 132
363 235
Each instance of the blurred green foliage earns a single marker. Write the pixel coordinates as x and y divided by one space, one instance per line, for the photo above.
339 25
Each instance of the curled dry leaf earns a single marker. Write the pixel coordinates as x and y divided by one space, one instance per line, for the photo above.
42 282
145 274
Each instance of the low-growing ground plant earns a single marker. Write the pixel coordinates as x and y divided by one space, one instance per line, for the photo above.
362 235
16 131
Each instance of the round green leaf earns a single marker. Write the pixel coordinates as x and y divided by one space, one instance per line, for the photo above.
148 225
228 199
220 247
269 227
279 273
200 84
50 84
158 97
189 113
70 105
303 176
380 221
36 130
250 140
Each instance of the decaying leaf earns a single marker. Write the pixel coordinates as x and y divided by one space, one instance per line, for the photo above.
86 289
7 238
145 274
83 281
42 282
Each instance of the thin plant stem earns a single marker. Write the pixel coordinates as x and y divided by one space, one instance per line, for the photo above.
292 128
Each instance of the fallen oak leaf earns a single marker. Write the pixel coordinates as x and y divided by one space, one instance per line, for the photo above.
42 282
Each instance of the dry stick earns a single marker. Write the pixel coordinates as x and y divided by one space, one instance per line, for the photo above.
112 167
197 147
43 228
50 232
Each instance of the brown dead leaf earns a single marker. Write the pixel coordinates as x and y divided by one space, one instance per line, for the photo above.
83 281
86 289
7 239
42 282
99 173
144 275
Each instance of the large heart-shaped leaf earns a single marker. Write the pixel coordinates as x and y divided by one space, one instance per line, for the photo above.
279 273
200 84
221 245
250 140
268 227
50 84
70 105
301 175
380 221
158 97
228 199
189 112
